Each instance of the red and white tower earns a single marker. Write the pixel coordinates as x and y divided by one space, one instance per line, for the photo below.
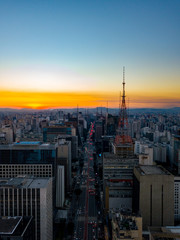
122 139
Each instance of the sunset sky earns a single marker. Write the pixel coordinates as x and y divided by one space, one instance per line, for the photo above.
63 53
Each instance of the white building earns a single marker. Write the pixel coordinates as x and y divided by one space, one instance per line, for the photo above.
7 130
29 196
146 157
145 151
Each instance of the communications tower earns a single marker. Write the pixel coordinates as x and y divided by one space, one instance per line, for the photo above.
123 142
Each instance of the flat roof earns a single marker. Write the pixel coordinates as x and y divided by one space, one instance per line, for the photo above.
24 181
152 170
9 224
27 146
112 160
125 222
28 143
169 232
61 214
110 156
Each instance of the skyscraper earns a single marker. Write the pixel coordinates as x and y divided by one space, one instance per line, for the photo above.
29 196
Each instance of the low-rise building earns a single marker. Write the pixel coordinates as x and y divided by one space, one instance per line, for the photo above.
126 227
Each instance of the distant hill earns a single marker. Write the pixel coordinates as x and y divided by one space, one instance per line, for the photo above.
155 110
97 110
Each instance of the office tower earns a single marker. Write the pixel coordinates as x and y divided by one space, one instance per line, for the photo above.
111 123
60 116
144 150
60 190
159 152
154 195
176 151
36 170
177 199
29 196
135 129
118 181
64 159
146 157
40 156
51 133
74 144
31 158
28 152
107 143
99 130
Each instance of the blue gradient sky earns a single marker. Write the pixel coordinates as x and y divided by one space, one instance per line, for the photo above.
68 46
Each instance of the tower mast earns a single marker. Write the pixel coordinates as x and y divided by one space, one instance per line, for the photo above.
122 131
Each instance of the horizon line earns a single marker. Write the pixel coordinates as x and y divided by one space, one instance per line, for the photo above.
66 108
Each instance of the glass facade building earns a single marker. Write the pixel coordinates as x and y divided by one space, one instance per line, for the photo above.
50 133
27 153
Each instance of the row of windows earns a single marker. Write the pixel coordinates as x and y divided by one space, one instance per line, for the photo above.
25 170
120 196
24 166
32 174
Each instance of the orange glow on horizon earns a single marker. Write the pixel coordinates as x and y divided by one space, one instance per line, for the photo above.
45 100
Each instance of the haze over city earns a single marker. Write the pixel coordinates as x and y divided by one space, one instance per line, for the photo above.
63 53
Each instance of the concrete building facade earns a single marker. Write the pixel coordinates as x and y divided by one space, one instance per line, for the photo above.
153 195
118 181
64 159
29 196
60 190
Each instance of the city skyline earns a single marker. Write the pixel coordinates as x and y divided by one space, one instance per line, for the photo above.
60 54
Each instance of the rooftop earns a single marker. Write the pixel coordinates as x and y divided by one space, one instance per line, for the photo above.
27 146
125 222
113 158
9 224
163 233
28 143
152 170
14 227
24 181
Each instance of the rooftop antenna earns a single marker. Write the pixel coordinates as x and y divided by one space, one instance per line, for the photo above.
120 103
